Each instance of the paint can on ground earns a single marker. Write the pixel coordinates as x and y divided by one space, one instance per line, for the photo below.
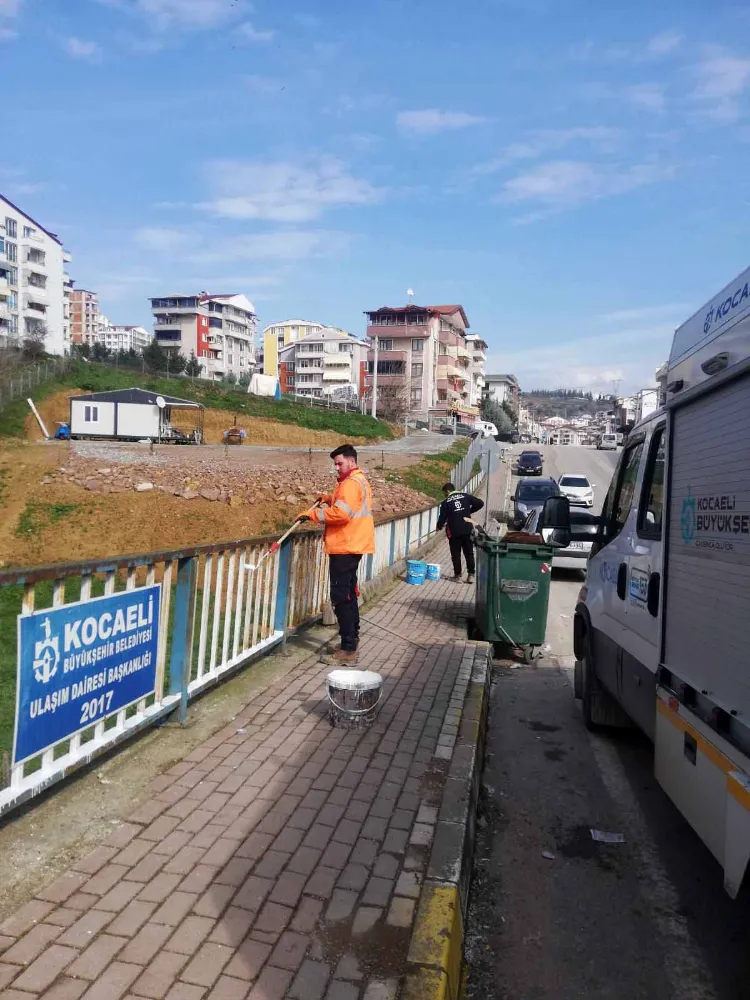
353 696
433 571
416 570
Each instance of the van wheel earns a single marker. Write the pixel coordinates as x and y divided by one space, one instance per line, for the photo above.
599 708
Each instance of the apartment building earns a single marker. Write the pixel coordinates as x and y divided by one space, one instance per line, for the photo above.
322 362
33 281
219 329
422 353
84 316
123 338
278 335
478 350
502 388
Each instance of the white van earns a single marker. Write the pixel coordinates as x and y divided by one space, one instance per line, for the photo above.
485 428
607 442
662 625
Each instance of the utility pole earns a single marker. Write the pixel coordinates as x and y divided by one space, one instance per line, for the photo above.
375 378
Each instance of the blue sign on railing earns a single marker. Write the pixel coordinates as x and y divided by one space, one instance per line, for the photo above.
81 662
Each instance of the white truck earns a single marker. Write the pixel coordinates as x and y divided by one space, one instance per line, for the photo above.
662 624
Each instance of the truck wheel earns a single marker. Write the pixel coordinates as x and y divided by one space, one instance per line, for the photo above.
588 680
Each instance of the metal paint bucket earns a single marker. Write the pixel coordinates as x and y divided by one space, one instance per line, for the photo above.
353 696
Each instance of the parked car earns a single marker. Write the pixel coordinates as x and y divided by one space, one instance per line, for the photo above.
577 489
464 430
530 463
529 496
584 527
445 429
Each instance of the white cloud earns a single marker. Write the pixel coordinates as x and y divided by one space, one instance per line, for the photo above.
277 245
433 121
248 33
10 8
284 191
262 84
161 239
562 184
648 96
672 311
7 34
164 15
722 80
79 48
664 43
542 141
631 354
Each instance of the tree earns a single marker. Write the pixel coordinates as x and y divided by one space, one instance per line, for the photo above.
392 403
82 350
230 379
176 362
33 341
153 356
494 413
100 352
244 379
510 412
193 368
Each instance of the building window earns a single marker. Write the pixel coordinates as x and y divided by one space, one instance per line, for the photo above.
385 345
416 370
417 346
11 229
28 231
416 395
11 251
290 380
91 414
387 367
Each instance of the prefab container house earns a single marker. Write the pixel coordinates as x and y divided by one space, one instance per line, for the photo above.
133 415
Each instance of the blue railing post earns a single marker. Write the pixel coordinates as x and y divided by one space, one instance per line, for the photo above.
181 654
281 611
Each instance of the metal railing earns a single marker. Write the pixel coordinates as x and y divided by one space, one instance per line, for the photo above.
19 380
219 607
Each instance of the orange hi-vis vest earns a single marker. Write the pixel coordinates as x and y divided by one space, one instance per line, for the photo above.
349 525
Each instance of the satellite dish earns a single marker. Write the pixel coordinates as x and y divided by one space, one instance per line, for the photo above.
161 402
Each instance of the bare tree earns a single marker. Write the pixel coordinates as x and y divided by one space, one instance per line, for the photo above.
33 341
392 403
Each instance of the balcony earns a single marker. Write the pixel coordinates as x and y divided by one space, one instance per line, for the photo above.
397 332
33 238
36 299
337 360
338 376
36 257
463 353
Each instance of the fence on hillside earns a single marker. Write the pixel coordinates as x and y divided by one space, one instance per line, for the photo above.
20 381
185 619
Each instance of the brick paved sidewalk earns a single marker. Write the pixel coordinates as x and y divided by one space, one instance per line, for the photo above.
281 858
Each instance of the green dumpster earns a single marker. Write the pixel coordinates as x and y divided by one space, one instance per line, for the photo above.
512 593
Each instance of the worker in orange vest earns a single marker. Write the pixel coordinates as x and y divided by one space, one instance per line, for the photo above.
347 517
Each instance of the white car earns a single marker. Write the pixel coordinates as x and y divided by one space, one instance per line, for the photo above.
607 442
576 555
577 489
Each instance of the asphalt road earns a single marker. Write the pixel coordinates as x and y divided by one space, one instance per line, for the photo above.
555 915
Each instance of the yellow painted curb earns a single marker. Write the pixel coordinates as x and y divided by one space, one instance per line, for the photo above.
426 984
437 939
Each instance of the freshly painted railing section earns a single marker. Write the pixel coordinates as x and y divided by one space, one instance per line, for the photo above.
222 606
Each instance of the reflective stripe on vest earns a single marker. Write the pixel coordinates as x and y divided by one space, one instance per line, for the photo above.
364 510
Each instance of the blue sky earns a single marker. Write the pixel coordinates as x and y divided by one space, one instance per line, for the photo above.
574 173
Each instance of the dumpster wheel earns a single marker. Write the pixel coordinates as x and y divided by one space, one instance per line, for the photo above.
528 653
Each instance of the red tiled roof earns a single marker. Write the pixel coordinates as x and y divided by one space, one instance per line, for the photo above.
440 310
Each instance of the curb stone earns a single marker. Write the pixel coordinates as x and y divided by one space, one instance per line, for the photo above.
435 958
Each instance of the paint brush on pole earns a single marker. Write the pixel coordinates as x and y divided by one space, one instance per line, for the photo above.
250 567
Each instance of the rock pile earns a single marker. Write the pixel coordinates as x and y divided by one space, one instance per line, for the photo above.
271 486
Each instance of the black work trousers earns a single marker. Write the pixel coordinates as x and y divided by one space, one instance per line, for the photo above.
343 577
458 545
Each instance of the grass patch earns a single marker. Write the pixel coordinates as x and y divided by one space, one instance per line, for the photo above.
429 474
215 396
37 516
